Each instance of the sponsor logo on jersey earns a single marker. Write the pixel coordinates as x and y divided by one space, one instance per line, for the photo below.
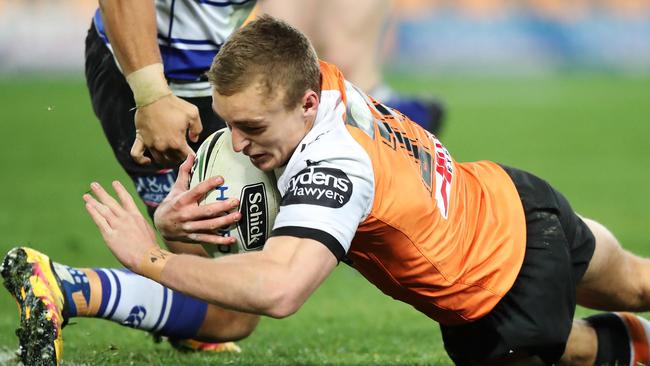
154 188
253 225
444 174
315 185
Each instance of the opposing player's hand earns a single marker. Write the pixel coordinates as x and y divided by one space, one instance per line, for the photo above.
161 127
126 232
180 217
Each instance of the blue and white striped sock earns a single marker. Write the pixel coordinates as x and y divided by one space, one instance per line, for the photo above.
131 300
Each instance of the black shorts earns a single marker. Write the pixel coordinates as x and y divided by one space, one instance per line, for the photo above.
536 315
113 103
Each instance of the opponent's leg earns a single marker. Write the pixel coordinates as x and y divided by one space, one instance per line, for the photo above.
301 14
48 294
353 43
116 295
345 33
349 34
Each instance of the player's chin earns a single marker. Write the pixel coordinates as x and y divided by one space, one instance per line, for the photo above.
264 162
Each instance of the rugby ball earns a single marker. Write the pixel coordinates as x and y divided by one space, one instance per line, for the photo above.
257 192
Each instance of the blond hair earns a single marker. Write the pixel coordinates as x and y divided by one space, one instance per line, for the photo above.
272 52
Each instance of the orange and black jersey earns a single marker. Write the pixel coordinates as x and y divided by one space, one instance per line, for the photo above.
380 191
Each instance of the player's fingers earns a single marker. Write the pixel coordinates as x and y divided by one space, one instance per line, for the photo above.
213 224
163 158
216 209
197 193
171 149
212 239
104 197
125 198
183 179
175 157
99 208
178 155
170 158
195 128
102 209
99 220
137 151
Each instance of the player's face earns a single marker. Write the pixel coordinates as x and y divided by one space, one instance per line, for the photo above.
262 128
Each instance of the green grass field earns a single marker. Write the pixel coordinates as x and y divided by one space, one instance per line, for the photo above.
589 135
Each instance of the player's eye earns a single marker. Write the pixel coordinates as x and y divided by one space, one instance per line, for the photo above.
253 130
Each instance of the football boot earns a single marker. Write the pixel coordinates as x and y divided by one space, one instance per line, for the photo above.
191 345
30 278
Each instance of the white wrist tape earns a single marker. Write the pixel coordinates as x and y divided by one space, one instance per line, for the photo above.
148 84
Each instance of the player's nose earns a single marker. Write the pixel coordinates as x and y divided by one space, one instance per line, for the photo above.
239 141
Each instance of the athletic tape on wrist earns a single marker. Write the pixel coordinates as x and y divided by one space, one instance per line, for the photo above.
148 84
153 263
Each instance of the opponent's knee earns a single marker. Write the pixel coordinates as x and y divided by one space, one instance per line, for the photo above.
243 327
233 327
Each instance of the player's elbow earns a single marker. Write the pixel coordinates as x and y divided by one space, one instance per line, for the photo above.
283 309
286 303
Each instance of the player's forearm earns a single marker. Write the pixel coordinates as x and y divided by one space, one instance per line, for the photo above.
247 282
131 29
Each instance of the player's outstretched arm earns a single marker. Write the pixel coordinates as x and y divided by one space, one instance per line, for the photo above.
274 282
180 217
162 119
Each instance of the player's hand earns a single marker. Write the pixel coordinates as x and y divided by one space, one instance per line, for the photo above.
126 232
180 217
161 127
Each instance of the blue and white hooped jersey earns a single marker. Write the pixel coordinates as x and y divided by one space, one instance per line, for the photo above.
190 33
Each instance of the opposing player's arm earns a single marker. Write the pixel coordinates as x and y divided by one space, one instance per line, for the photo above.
162 120
131 28
274 282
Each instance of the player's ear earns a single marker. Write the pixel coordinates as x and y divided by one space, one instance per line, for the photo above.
310 103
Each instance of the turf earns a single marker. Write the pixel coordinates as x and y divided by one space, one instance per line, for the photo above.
587 134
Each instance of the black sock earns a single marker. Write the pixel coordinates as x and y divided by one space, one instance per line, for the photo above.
613 340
